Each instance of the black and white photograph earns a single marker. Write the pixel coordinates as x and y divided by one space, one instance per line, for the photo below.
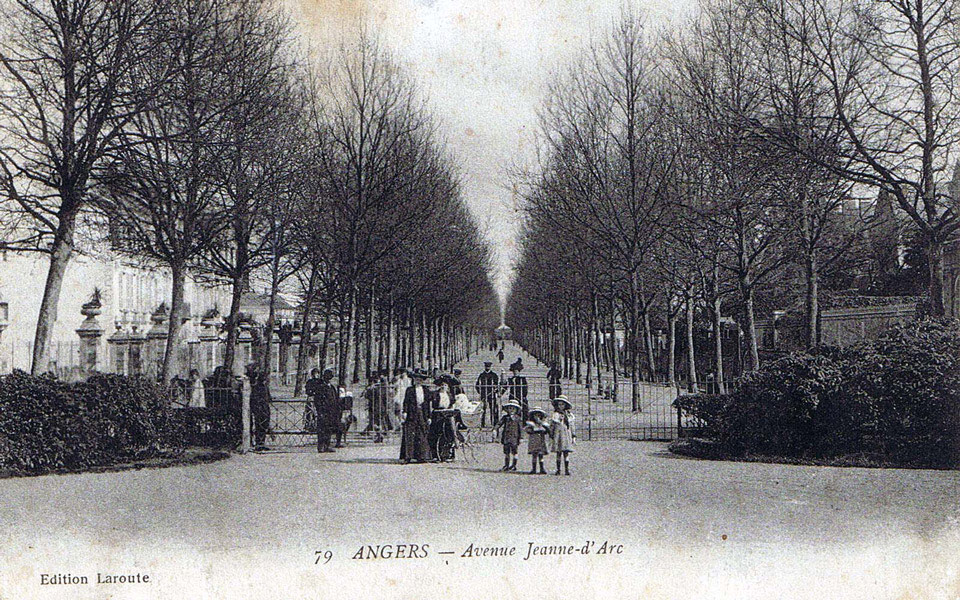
439 299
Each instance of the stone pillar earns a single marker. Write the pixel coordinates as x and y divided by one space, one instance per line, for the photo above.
90 333
245 416
119 346
285 335
135 354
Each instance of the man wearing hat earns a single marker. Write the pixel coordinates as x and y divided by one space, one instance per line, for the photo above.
518 388
326 399
488 387
456 386
413 441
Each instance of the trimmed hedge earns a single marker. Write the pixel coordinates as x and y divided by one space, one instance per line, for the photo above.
896 399
47 424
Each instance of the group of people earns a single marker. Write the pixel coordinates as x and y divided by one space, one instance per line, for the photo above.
432 417
490 387
557 435
330 411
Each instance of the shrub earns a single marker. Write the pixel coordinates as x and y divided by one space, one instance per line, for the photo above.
907 386
46 424
897 398
706 409
772 411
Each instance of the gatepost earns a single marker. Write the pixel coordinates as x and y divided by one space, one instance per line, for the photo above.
245 415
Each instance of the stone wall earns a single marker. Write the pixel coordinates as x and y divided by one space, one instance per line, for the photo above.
838 327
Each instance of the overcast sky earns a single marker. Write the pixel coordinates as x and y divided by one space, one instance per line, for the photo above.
485 66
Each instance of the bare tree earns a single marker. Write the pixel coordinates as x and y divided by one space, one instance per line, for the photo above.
256 155
890 70
68 67
164 189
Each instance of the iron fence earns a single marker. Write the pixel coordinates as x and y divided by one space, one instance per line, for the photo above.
608 413
600 414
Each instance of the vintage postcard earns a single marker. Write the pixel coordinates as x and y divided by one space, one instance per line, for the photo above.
520 299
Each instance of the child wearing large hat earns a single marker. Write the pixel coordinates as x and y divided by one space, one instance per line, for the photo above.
509 427
537 432
562 431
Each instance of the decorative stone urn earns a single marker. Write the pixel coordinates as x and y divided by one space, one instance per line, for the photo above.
90 333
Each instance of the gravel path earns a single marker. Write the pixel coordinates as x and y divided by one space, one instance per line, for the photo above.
689 529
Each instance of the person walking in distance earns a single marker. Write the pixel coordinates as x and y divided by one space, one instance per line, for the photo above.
553 378
518 388
500 355
488 387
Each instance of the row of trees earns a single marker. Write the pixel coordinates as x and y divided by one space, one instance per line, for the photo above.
725 167
205 141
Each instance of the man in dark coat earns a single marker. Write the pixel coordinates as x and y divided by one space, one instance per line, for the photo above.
553 377
517 388
413 442
326 399
488 388
259 405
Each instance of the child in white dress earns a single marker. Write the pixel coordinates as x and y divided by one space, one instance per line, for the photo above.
562 432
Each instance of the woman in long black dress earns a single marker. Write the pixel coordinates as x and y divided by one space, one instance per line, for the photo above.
413 442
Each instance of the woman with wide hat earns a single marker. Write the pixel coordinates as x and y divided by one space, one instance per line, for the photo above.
562 431
445 422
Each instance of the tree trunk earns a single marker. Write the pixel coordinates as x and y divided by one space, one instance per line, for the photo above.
634 346
271 321
178 276
717 345
389 361
671 346
348 314
59 259
812 300
613 348
599 349
421 339
233 327
746 290
305 334
368 351
578 344
325 342
648 341
935 287
691 353
357 355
